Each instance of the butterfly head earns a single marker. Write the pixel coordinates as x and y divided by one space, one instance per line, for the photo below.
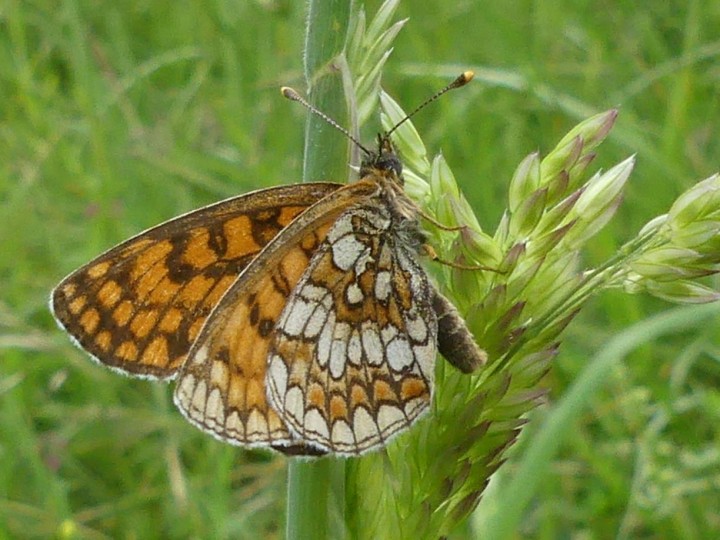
385 162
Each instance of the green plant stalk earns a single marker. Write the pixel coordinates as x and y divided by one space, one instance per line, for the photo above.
315 506
515 497
326 154
315 502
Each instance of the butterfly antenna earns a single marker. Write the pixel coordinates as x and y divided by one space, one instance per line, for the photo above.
293 95
462 80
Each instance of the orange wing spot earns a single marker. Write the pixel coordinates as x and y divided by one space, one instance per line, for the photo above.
293 265
289 213
152 255
383 392
195 328
367 283
90 320
195 290
256 394
220 376
171 321
197 251
338 409
103 340
156 353
123 313
312 241
256 360
270 301
394 317
127 351
99 270
240 242
309 243
69 290
412 388
402 291
316 397
358 397
135 247
236 394
143 323
109 294
275 425
148 282
248 352
221 286
165 290
77 305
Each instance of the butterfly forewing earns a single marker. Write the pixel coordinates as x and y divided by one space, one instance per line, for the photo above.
139 306
352 355
221 386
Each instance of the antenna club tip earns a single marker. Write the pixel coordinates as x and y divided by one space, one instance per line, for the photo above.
464 78
289 93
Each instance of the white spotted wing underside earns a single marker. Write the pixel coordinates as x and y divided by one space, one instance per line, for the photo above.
352 356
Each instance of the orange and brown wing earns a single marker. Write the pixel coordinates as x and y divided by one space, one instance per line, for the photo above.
138 307
221 386
352 356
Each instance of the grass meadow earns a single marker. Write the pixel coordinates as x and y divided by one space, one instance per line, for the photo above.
118 115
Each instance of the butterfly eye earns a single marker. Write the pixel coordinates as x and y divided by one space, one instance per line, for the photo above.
389 162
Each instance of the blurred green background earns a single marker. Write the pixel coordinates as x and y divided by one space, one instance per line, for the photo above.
115 116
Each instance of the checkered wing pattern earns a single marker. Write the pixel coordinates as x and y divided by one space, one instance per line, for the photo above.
138 307
352 357
221 386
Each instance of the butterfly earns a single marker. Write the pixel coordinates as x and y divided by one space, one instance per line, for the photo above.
297 318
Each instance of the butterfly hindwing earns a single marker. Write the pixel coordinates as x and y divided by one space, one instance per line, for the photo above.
352 356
